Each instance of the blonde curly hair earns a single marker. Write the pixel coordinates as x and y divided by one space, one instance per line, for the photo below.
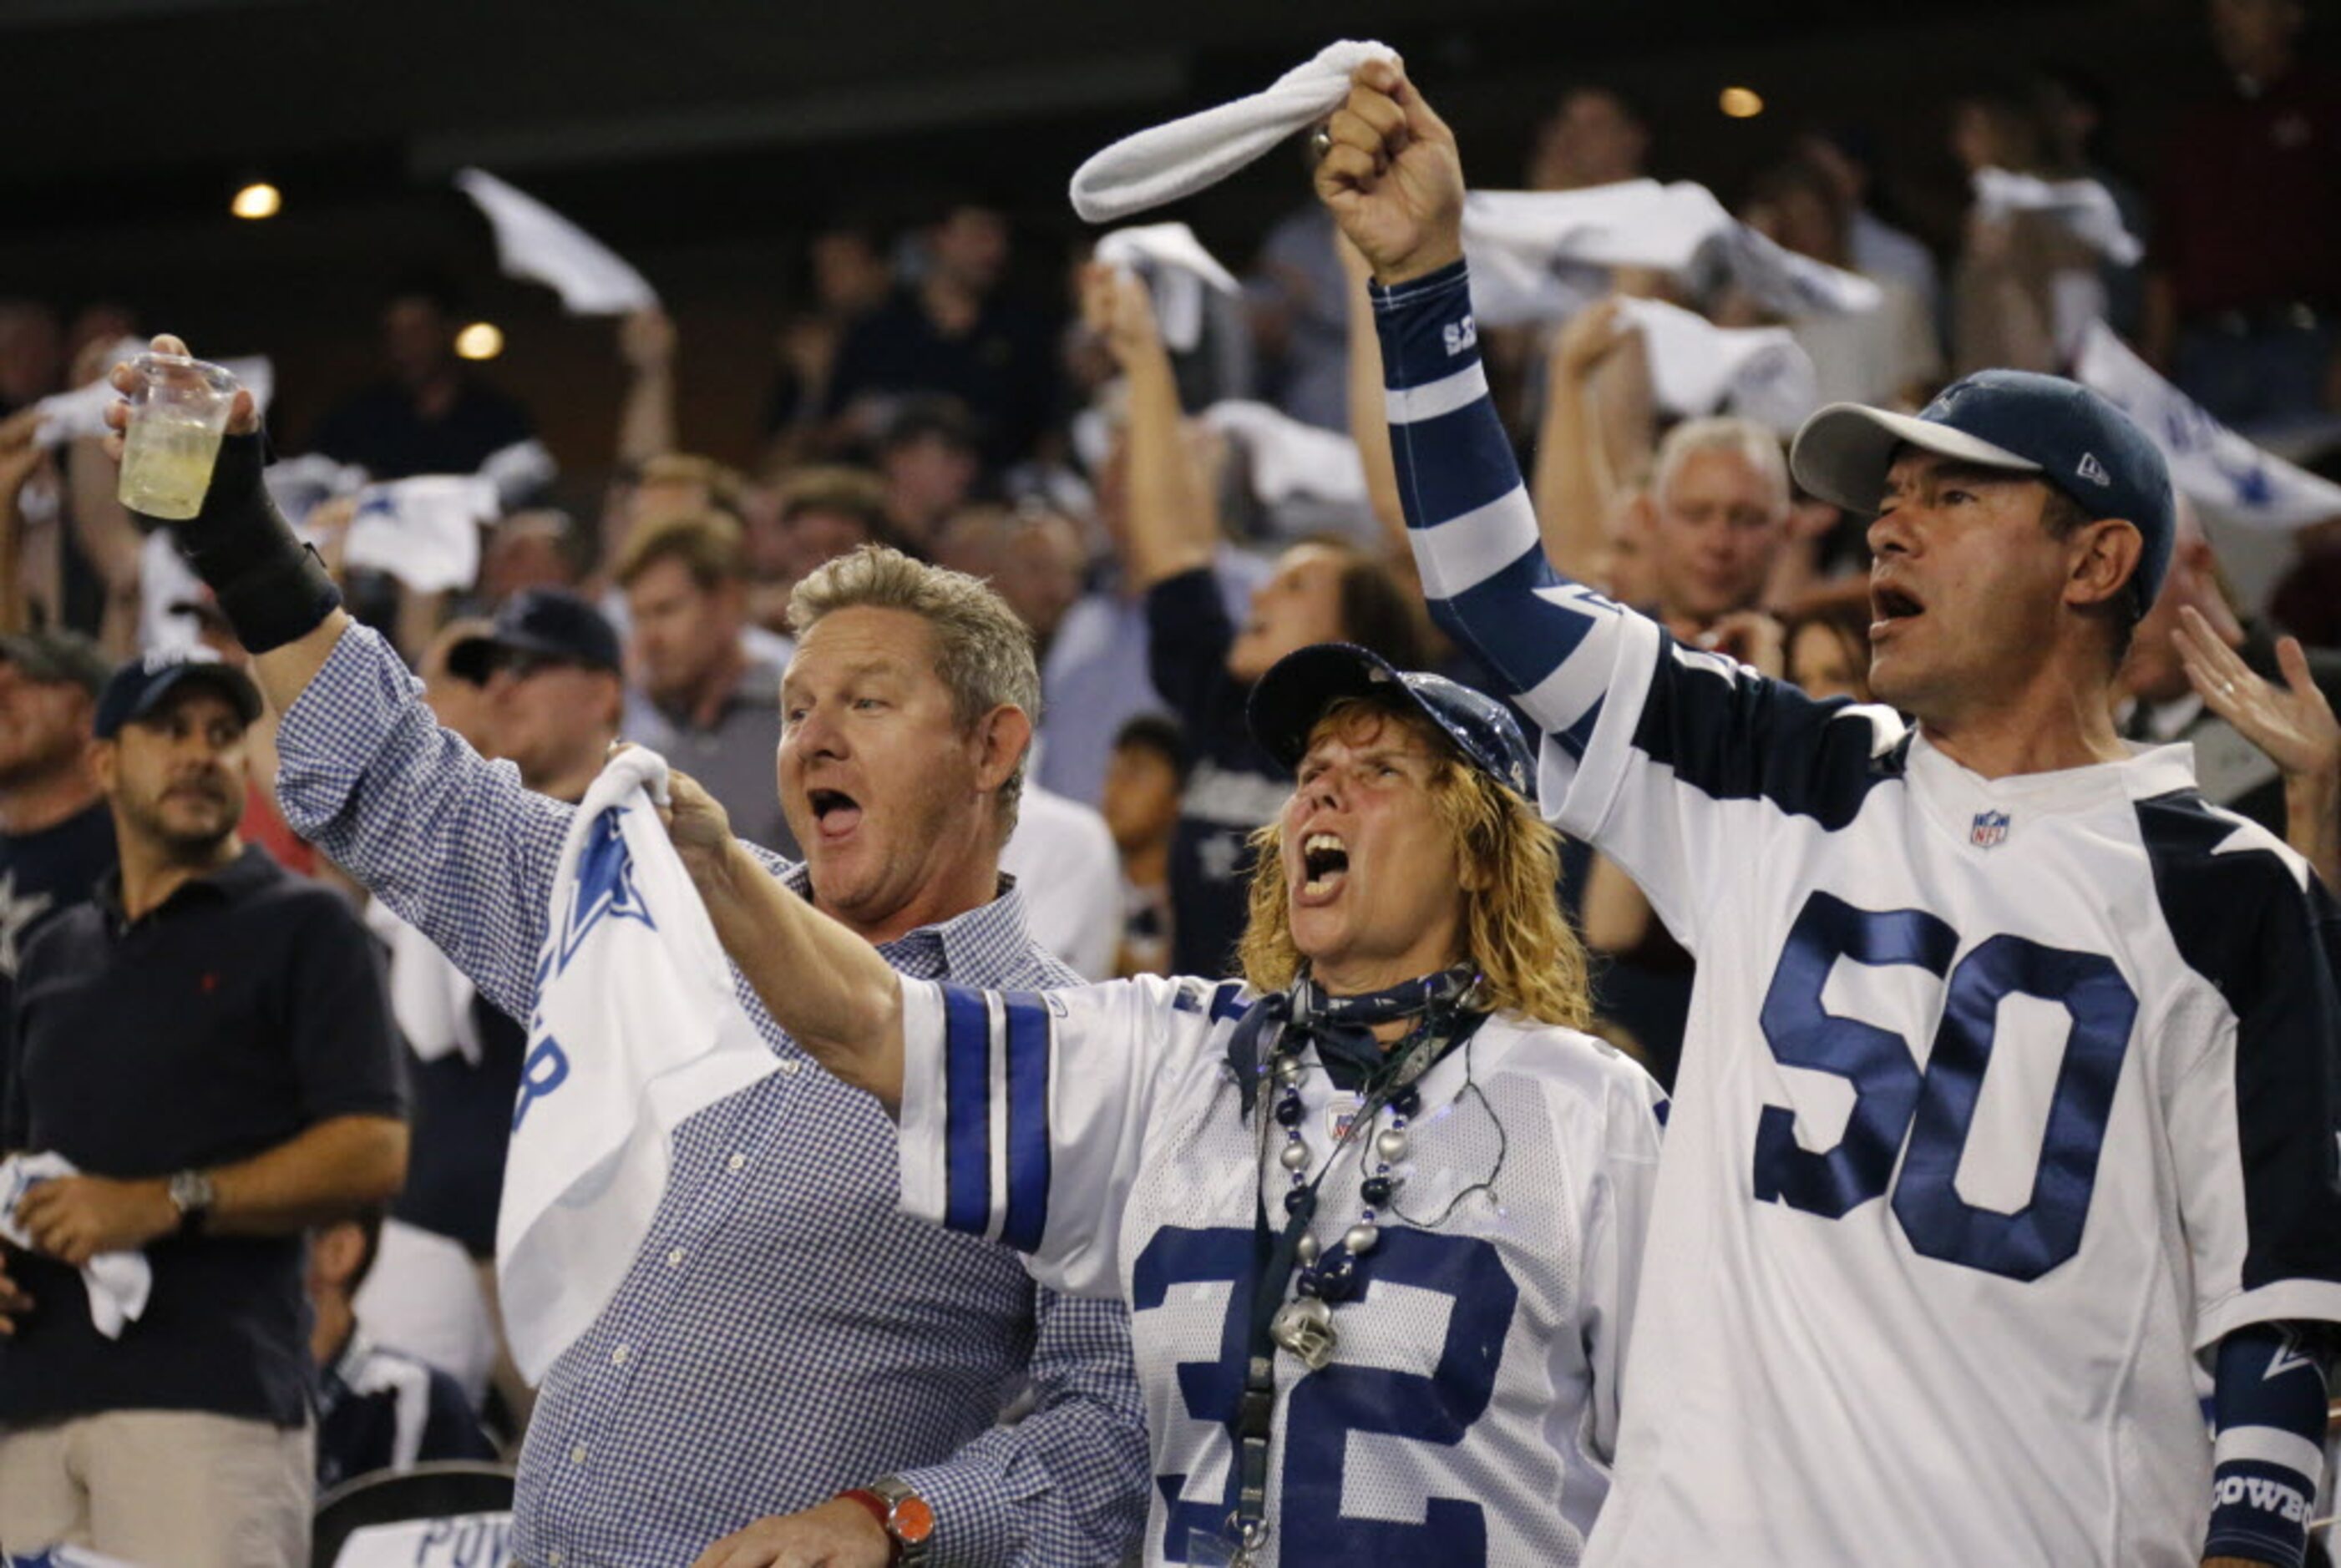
1509 862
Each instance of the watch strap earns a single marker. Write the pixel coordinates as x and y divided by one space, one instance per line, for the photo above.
907 1518
881 1511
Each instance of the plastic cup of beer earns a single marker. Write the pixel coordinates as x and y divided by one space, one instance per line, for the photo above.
177 421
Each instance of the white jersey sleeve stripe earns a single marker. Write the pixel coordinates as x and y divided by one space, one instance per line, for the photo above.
1559 702
1464 551
2268 1445
1443 396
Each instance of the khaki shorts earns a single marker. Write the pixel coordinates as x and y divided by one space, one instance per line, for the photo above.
168 1488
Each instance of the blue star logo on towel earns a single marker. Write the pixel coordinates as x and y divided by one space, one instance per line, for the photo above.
605 886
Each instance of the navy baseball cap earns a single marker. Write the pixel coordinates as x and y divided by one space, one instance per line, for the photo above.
1293 695
550 622
2015 420
139 687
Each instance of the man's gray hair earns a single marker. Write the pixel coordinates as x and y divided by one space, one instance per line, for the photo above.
984 653
1758 448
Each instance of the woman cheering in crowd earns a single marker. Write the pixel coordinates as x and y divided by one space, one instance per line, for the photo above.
1382 1186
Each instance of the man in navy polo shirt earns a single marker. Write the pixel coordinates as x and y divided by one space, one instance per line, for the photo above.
208 1043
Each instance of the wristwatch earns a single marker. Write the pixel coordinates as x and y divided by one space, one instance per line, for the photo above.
193 1194
903 1513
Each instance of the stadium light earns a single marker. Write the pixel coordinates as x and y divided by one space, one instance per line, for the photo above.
1741 103
258 200
480 341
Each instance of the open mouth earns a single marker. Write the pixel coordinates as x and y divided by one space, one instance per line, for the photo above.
1890 606
835 813
1324 862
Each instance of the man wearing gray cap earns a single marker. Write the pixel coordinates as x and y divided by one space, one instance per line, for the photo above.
57 838
2008 1088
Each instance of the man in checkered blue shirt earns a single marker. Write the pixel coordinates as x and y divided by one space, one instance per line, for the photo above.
784 1333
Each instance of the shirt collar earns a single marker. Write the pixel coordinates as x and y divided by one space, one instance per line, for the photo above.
987 941
222 884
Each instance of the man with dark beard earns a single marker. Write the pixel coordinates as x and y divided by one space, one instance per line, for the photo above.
204 1053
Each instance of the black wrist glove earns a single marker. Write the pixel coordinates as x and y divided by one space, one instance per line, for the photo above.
271 587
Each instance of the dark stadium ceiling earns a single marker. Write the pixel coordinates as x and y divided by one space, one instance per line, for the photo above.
98 88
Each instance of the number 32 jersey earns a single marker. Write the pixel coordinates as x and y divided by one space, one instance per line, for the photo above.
2000 1100
1471 1407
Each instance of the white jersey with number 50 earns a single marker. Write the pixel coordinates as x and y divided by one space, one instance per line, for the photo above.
2000 1100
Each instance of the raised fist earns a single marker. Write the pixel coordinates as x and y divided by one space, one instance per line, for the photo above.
1392 177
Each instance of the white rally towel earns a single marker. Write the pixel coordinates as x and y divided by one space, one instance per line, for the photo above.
1697 367
1176 268
636 1027
1536 254
1163 163
429 997
119 1282
80 414
2211 465
535 242
2083 208
424 530
1287 457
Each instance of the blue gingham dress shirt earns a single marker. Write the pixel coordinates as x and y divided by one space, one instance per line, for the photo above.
785 1332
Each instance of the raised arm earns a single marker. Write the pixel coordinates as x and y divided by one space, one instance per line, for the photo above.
1576 484
1368 425
646 423
20 457
1394 183
1170 524
830 989
1643 738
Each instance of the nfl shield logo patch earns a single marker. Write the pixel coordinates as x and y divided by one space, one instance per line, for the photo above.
1989 829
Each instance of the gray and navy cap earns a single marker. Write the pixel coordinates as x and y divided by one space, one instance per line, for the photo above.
139 687
551 622
1293 695
2017 420
58 659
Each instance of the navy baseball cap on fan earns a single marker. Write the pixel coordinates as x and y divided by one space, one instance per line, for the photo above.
550 622
140 687
1293 695
2018 420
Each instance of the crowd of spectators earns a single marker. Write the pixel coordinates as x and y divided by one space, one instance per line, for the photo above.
1058 448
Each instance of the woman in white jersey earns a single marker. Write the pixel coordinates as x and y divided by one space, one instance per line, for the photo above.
1376 1209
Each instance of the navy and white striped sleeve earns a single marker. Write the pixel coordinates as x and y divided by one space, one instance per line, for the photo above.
1025 1113
1643 739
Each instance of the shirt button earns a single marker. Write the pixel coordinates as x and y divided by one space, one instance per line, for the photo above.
789 1065
618 1356
675 1258
577 1454
737 1162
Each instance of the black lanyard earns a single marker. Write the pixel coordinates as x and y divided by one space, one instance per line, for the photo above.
1274 1251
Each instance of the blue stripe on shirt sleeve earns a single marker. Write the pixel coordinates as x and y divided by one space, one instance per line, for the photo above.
1523 637
1028 1121
967 1111
1468 463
